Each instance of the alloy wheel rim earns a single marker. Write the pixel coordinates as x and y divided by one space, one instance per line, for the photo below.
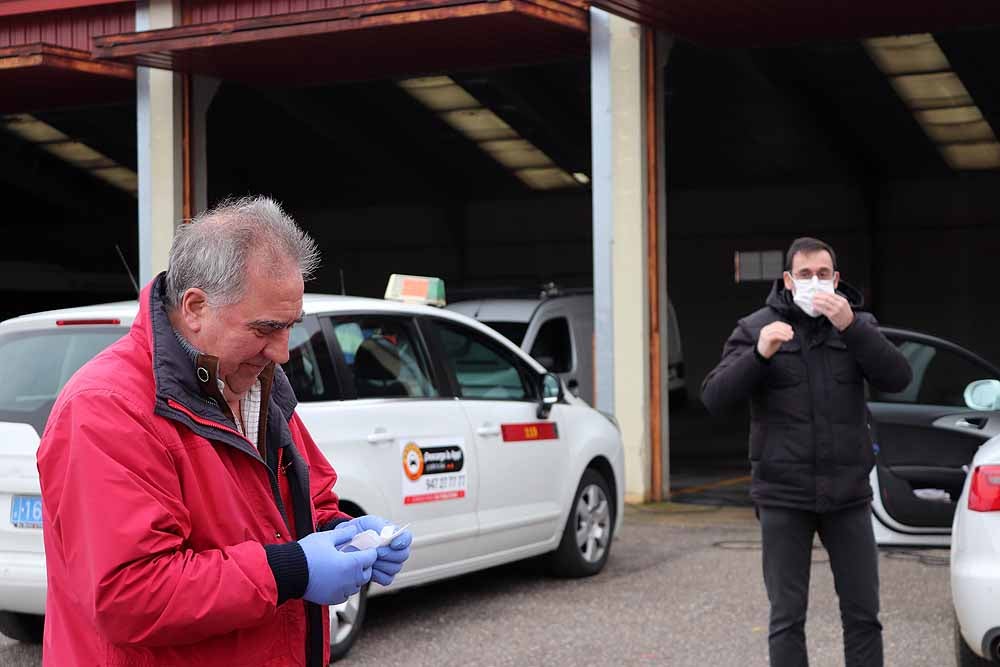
343 618
593 523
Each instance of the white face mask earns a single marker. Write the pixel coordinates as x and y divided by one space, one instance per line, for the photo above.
806 289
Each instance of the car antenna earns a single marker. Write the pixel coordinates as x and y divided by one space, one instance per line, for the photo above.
127 270
343 290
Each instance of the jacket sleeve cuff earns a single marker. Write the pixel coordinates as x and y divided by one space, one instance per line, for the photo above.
290 568
333 523
760 357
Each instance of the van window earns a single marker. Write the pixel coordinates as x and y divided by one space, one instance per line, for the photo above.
512 331
553 347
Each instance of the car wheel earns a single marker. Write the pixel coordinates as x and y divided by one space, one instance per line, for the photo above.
25 628
586 539
345 624
963 654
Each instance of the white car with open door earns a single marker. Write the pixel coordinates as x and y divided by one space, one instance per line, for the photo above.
926 436
430 418
936 481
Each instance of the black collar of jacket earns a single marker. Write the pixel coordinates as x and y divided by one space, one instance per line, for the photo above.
194 384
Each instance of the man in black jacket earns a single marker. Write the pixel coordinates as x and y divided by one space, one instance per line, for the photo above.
802 361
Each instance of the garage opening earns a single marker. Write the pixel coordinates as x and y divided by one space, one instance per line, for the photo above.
885 148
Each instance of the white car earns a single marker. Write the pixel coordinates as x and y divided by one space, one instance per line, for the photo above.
975 561
429 417
926 436
557 329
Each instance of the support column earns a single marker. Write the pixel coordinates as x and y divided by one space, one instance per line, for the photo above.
622 310
160 134
657 143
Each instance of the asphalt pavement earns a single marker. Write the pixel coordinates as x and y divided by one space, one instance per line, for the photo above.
683 587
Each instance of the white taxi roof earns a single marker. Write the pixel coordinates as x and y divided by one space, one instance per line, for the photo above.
312 304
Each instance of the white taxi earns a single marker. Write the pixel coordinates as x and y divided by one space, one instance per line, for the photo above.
429 417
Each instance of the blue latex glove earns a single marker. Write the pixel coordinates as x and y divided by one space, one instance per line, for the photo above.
334 575
391 558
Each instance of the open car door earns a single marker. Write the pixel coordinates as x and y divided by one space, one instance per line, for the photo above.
926 435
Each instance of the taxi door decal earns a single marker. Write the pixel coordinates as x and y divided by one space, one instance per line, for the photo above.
528 432
433 470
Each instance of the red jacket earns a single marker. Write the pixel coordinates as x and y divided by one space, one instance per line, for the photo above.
166 536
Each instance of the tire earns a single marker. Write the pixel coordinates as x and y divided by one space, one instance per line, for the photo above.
586 539
25 628
964 657
346 622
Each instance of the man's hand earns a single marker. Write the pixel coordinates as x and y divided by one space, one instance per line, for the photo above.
335 575
772 336
835 308
390 558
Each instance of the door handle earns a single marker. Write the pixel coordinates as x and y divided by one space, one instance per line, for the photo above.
488 431
971 422
379 436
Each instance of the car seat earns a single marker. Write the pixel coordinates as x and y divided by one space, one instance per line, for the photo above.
376 370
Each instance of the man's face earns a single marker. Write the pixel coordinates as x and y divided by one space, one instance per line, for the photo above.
248 335
806 265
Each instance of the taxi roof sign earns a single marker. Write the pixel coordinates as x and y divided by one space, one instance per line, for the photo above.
416 289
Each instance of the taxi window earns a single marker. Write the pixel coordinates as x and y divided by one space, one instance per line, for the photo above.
307 357
482 368
382 358
36 365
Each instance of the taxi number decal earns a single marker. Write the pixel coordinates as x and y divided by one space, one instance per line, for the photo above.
525 432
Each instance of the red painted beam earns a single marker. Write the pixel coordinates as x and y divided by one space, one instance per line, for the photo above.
15 7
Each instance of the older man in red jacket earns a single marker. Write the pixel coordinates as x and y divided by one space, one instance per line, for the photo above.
190 519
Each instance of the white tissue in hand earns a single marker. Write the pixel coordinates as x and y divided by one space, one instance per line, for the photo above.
369 539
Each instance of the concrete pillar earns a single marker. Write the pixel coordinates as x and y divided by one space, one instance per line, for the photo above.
160 119
621 305
664 44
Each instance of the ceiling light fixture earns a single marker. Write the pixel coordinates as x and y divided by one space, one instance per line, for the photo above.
921 75
457 107
78 154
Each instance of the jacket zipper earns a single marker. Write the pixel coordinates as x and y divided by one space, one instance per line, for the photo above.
275 488
208 422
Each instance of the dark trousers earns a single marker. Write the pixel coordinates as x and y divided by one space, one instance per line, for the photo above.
787 537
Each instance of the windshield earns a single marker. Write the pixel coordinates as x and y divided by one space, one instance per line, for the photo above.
513 331
35 365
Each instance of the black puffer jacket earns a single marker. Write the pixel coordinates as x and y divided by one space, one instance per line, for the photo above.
810 446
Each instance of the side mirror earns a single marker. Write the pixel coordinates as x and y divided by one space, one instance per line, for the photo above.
551 393
983 395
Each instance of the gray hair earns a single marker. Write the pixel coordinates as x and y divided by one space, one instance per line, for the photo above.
211 251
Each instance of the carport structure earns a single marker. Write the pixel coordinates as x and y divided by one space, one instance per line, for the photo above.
181 49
